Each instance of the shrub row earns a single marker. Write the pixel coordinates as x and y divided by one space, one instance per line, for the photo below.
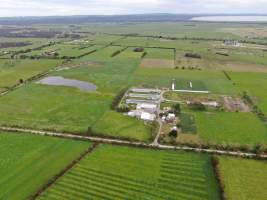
144 54
117 99
193 55
257 148
118 52
255 108
62 172
227 75
215 165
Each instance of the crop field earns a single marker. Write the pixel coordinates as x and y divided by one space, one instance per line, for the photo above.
121 172
11 71
27 162
243 178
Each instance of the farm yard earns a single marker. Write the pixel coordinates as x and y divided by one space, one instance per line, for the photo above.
126 99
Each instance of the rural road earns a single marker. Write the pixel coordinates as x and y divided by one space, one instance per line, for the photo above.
123 142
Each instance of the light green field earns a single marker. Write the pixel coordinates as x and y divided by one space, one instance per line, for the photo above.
54 108
244 179
28 162
160 53
69 50
11 71
231 128
129 173
255 84
117 125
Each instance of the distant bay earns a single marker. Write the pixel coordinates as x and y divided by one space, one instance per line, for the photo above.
231 18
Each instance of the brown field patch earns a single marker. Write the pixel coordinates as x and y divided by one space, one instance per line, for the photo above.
235 104
247 31
157 63
217 64
243 67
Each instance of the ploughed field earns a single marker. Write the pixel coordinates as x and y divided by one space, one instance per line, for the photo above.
111 172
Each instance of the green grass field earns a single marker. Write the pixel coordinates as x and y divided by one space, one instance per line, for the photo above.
54 108
28 162
215 82
117 125
244 179
112 172
253 83
231 128
11 71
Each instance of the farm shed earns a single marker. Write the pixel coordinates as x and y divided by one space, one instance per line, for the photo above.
147 116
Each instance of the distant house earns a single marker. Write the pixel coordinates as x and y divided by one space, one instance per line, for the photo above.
231 42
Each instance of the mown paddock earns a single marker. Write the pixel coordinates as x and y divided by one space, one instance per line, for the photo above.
243 178
117 125
253 83
28 162
160 53
238 129
116 172
215 82
56 108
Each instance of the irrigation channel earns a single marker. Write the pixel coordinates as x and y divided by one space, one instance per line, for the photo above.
129 143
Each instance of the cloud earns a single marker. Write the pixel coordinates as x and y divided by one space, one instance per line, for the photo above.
104 7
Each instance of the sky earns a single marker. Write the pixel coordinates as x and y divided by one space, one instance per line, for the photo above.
10 8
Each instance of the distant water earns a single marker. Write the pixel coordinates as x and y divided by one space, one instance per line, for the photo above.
60 81
231 18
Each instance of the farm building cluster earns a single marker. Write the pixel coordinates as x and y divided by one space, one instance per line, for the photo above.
144 103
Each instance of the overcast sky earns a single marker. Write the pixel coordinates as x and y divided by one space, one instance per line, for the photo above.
110 7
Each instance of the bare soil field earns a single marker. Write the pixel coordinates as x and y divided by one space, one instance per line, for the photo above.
243 67
80 64
247 32
217 64
235 104
157 63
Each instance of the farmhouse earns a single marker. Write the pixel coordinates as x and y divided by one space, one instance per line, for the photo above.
231 42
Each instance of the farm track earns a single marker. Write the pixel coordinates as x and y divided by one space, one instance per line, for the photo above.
129 143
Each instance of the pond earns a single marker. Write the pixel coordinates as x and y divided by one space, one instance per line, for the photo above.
60 81
231 18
